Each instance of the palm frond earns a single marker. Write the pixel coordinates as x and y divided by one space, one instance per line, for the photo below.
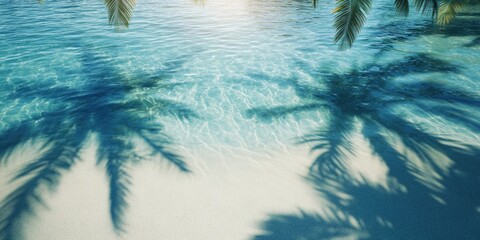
309 226
160 143
119 181
426 6
438 93
427 149
382 147
32 130
448 10
402 7
419 141
200 2
335 143
116 151
43 172
14 137
350 16
456 115
120 12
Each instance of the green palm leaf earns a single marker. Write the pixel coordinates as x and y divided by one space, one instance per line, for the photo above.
448 10
200 2
427 5
402 7
120 12
350 16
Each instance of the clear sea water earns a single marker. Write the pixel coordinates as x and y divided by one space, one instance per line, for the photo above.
237 86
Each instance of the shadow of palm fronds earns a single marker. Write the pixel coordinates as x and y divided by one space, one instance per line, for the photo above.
306 226
121 112
430 174
373 97
359 211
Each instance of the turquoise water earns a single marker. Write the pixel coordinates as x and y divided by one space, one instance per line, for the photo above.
233 88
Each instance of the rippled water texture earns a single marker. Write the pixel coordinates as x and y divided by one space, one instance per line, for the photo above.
236 120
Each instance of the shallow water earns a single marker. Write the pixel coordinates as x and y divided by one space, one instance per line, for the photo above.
390 128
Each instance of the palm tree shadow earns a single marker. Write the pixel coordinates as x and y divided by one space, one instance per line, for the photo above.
364 212
433 179
396 31
121 112
411 212
464 25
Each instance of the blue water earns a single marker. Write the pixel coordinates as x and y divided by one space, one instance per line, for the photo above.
226 82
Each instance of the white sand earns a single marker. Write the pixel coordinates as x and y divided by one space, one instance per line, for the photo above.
221 199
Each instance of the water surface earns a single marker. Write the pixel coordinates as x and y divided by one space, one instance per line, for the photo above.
236 120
